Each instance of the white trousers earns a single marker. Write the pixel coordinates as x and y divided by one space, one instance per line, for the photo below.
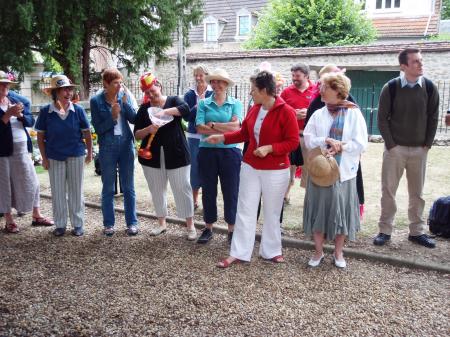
272 184
181 188
66 183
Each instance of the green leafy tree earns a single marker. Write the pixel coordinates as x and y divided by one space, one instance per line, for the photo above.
67 31
307 23
445 12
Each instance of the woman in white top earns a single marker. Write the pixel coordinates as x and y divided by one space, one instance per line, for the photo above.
331 212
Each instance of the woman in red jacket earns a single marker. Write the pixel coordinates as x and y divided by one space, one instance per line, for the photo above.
272 132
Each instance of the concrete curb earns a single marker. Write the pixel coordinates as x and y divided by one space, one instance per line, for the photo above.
305 245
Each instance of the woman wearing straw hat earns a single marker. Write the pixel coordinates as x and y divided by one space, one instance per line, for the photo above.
168 159
111 113
20 185
61 128
218 114
338 135
271 130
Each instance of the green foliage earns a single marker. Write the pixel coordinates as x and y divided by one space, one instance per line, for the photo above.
440 37
308 23
445 12
50 64
66 31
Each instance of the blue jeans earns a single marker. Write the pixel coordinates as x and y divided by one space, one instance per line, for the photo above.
119 153
193 149
223 163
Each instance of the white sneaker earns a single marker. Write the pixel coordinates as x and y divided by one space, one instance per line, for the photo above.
315 263
339 263
191 234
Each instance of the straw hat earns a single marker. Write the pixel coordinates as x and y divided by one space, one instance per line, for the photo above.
4 78
58 81
219 74
323 171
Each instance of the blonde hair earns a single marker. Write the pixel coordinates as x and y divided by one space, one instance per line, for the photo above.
337 82
329 68
200 67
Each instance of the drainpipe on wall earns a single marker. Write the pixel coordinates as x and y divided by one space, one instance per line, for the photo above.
429 17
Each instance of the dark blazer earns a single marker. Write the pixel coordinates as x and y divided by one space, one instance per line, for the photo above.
170 136
6 137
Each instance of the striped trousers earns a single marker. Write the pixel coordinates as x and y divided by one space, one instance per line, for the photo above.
66 183
179 182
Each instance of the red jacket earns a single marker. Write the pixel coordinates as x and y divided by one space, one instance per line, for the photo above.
279 129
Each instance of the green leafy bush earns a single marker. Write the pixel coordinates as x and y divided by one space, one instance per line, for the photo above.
310 23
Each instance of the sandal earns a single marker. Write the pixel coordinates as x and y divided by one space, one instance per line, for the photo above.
225 263
277 259
11 228
44 222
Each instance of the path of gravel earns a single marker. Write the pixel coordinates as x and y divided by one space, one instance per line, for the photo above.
166 286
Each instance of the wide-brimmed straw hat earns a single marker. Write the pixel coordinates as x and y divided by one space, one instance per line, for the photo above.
58 81
4 78
219 74
322 170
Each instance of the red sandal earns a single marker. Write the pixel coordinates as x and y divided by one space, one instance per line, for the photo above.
44 222
225 263
11 228
277 259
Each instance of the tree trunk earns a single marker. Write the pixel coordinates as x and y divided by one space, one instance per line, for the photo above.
85 61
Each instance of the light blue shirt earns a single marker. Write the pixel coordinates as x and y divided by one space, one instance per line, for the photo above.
209 111
404 82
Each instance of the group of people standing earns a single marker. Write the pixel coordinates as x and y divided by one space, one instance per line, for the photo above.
281 132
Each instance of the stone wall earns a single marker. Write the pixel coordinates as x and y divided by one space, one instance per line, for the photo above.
240 65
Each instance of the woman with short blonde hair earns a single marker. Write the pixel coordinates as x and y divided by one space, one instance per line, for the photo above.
331 205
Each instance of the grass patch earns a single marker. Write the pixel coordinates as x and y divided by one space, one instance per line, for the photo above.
39 169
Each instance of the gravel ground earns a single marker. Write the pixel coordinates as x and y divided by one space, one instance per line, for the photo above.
167 286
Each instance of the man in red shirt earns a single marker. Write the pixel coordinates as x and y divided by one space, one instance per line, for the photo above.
298 95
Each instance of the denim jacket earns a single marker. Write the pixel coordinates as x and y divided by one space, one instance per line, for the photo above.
103 122
6 137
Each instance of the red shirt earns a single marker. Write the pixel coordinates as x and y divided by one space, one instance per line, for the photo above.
279 129
299 100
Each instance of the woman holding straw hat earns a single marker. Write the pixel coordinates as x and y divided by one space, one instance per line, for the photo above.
338 135
111 112
168 158
218 114
61 128
20 185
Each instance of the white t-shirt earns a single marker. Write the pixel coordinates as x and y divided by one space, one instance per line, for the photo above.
18 132
118 126
257 129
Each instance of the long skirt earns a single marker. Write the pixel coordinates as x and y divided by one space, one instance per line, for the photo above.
332 210
18 181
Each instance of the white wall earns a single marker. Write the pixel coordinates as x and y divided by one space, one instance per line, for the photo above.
407 8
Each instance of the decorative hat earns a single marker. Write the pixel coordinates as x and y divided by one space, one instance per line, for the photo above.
323 170
220 75
6 78
58 81
147 80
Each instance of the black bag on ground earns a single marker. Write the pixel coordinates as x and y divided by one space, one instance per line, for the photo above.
439 218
